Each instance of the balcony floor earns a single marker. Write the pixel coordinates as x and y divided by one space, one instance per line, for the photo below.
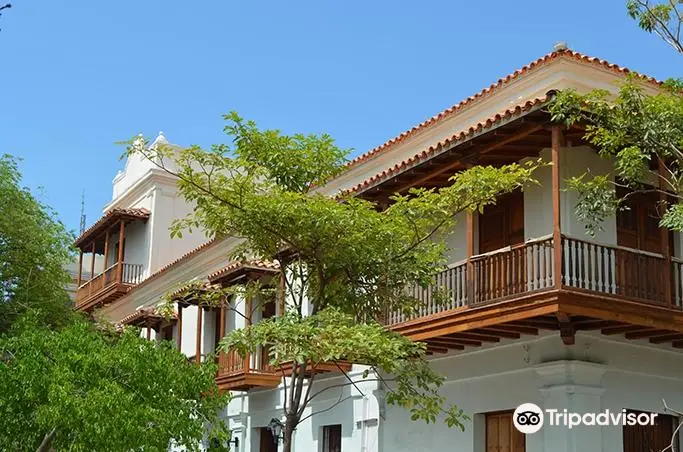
244 381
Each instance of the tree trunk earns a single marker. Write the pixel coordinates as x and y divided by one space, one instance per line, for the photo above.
46 444
288 434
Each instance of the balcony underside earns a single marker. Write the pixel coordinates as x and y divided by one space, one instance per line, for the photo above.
320 368
244 381
103 296
566 310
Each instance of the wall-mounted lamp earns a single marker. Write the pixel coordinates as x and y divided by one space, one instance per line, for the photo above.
275 428
236 442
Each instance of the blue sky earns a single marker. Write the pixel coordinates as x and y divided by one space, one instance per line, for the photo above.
77 76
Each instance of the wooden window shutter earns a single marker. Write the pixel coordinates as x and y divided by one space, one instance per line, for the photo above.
501 434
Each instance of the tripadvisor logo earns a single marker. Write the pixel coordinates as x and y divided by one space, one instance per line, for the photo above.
529 418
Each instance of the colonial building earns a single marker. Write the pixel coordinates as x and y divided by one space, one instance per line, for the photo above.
539 311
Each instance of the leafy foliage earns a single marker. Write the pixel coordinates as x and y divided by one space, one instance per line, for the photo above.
35 248
101 391
346 261
638 132
662 18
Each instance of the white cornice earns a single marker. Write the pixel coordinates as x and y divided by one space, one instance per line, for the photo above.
151 179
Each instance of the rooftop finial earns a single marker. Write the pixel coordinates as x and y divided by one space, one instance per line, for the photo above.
161 139
560 46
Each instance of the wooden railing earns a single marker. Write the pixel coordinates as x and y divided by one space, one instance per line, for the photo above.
615 270
232 363
512 271
529 268
130 274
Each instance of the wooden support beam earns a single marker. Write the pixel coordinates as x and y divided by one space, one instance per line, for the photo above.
541 324
149 332
446 341
557 140
518 329
437 349
474 337
677 344
627 329
179 325
460 161
198 340
106 251
593 324
664 239
92 267
469 267
671 337
494 331
80 268
119 267
567 330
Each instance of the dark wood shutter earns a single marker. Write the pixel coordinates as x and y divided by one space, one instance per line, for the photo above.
502 224
332 438
266 441
649 438
501 434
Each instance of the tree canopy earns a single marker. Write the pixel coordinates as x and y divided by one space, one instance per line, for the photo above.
346 261
82 389
35 249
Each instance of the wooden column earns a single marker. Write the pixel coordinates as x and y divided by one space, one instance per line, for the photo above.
119 268
221 322
557 140
179 325
198 342
149 332
80 268
106 250
92 267
664 235
470 252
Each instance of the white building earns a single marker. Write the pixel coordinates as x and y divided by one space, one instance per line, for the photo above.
541 312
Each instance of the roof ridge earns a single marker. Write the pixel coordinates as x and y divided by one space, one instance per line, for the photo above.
450 111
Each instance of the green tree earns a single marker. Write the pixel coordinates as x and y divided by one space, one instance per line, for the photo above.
82 389
34 252
346 261
641 131
662 18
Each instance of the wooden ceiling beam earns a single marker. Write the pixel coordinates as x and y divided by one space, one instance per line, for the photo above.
474 336
446 342
643 333
622 329
593 324
494 331
518 329
536 323
670 337
527 131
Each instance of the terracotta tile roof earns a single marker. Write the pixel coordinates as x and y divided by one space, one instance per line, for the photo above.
108 219
447 113
234 267
533 104
140 314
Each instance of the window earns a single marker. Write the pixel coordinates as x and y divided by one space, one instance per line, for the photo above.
332 438
501 434
502 224
645 438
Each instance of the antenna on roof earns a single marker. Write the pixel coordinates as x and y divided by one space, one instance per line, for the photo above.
82 212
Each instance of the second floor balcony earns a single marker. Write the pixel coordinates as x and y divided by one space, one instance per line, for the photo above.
111 273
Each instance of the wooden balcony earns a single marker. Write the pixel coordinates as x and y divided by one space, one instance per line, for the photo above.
108 285
241 374
521 290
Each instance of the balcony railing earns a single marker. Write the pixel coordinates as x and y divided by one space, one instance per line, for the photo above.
529 268
232 363
131 274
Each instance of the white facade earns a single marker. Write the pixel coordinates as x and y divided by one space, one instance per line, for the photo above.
596 373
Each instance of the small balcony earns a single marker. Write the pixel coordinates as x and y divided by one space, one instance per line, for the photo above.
241 374
104 243
108 285
523 289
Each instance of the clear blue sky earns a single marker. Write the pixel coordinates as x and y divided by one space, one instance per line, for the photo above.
77 76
